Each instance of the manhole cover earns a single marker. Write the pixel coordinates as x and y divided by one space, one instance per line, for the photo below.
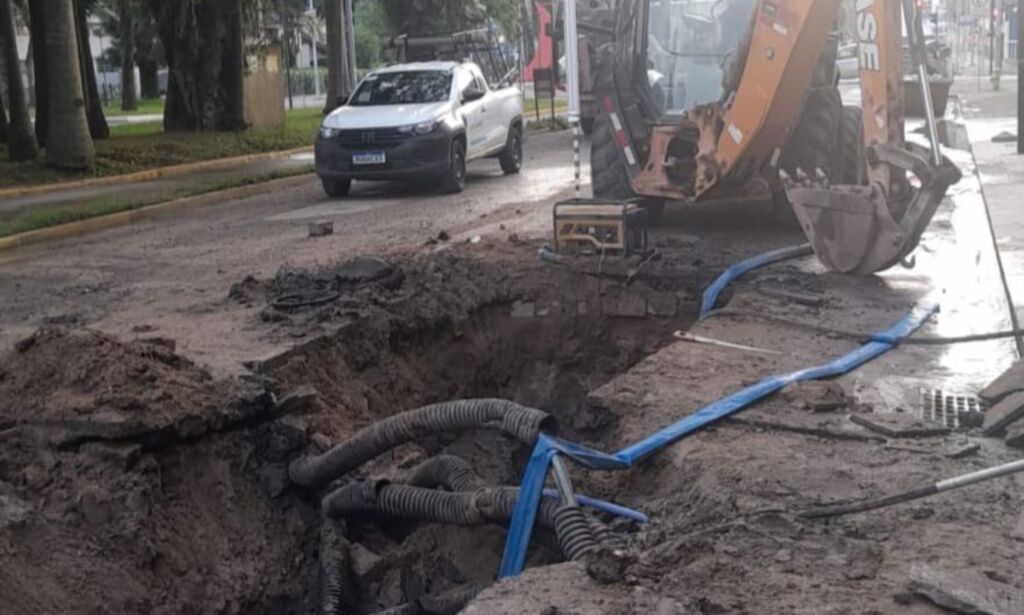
952 409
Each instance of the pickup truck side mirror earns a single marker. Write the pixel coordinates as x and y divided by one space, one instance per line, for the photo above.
471 93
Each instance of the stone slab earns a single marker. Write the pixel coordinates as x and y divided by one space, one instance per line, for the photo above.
1003 414
1011 380
899 425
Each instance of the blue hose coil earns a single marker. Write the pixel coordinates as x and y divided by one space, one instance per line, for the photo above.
547 446
710 296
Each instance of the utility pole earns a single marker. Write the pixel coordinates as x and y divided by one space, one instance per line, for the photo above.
991 37
1020 77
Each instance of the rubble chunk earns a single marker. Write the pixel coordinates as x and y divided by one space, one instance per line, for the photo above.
965 591
1003 414
1015 435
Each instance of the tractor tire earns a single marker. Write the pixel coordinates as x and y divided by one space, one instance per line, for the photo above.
813 143
608 174
850 162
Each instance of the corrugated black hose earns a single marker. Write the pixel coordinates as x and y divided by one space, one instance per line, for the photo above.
574 531
523 422
448 471
333 586
491 505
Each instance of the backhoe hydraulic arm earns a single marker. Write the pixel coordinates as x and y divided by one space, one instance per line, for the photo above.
860 228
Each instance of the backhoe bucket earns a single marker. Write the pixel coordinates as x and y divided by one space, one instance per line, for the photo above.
852 228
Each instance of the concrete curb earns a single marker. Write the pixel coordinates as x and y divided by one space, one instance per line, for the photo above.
168 171
99 223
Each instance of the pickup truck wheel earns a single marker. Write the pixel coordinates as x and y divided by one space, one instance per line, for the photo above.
336 187
511 158
455 181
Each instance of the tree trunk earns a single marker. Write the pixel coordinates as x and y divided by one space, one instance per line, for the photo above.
74 149
149 81
37 30
337 55
127 23
233 69
93 104
193 36
3 113
21 143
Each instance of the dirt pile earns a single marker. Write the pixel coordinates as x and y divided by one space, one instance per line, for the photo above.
133 482
60 373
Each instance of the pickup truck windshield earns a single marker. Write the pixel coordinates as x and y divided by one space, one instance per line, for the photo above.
404 88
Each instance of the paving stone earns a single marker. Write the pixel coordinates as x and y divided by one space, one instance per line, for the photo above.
899 425
321 229
1011 380
1004 414
965 591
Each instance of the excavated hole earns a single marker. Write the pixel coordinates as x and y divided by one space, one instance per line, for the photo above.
511 350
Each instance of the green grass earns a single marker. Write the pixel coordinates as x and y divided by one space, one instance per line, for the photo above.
138 147
37 218
544 104
548 124
146 106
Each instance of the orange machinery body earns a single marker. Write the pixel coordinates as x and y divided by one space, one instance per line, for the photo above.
744 135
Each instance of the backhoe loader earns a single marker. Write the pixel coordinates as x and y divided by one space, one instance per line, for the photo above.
709 101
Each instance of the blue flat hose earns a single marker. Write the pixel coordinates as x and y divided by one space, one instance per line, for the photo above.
710 296
547 446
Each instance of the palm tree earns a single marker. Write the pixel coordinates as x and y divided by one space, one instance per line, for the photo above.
74 149
126 21
21 142
3 112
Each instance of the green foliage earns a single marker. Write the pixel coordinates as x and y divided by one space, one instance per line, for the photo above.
425 17
147 39
371 29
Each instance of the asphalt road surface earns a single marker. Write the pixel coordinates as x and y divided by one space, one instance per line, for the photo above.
170 275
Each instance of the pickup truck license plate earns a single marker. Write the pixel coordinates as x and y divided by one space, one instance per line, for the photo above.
375 157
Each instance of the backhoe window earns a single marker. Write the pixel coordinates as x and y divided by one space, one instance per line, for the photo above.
689 44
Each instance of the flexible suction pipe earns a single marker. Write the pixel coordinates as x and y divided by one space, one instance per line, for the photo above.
517 420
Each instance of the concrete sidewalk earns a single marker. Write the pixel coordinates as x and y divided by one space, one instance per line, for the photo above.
988 114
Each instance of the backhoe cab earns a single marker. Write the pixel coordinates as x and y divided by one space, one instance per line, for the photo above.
737 100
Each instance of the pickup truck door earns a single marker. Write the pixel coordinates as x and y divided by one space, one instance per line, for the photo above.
493 112
472 112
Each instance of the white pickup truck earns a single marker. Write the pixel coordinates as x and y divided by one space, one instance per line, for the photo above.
417 121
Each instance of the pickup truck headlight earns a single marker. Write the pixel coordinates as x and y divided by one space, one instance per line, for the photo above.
329 133
422 128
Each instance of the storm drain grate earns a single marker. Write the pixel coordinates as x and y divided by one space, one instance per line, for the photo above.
952 409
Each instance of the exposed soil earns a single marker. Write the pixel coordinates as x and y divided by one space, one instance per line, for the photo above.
133 481
170 485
